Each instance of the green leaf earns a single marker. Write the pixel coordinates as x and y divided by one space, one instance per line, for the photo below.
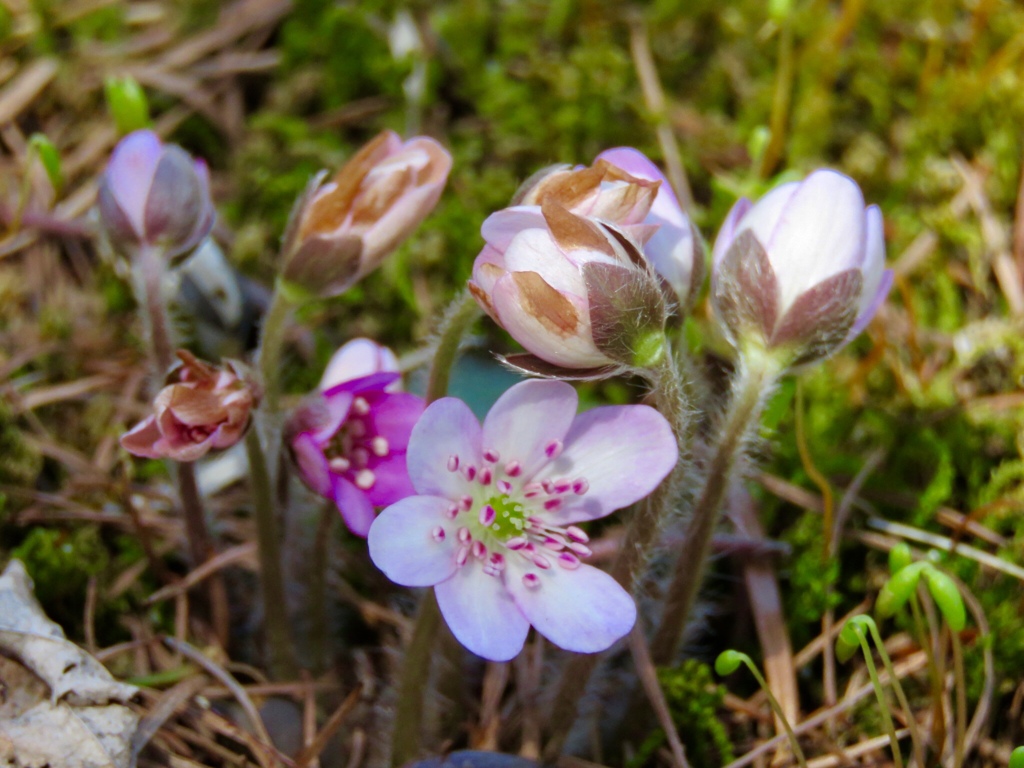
49 157
900 557
128 104
728 662
1017 758
946 595
899 588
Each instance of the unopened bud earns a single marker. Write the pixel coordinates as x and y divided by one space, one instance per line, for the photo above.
341 230
127 103
155 195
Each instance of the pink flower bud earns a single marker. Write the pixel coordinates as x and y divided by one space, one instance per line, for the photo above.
343 229
575 292
625 188
202 408
802 271
155 195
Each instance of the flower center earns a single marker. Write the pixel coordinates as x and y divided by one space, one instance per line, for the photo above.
509 517
350 449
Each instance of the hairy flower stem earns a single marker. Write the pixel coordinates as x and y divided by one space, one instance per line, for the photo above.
275 324
671 397
415 674
754 381
282 661
151 267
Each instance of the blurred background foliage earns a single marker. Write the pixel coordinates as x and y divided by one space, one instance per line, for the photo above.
921 101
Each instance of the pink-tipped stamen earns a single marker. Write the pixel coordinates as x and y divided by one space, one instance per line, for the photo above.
569 561
580 486
503 486
453 463
379 446
464 535
485 476
552 504
531 580
487 515
577 534
516 543
360 407
462 556
580 549
553 449
437 534
452 512
492 456
541 562
479 549
513 469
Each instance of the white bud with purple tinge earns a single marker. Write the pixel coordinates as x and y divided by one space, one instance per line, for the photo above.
802 271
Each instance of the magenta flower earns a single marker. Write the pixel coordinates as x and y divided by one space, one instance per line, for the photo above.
494 527
155 194
349 438
803 269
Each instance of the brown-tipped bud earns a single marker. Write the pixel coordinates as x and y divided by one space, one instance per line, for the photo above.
801 272
576 293
202 408
343 229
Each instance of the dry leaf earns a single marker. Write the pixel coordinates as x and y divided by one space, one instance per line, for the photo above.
59 706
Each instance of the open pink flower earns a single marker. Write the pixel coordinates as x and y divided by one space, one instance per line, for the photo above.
494 527
201 409
349 438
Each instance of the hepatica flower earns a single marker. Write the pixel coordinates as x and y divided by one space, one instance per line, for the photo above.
156 195
349 438
494 527
802 271
345 227
202 408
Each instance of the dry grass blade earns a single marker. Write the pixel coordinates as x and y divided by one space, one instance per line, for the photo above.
908 666
855 751
225 677
334 722
648 675
165 707
18 94
766 605
239 553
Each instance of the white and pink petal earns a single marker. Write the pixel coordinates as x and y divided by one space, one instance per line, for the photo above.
583 610
404 541
622 451
481 613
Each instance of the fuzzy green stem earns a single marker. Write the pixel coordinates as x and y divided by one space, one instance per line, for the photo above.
462 313
415 674
960 681
777 709
880 696
318 589
670 395
275 324
282 661
150 263
915 733
413 685
753 383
